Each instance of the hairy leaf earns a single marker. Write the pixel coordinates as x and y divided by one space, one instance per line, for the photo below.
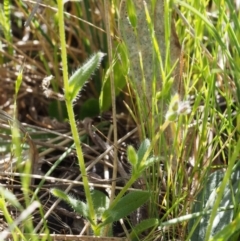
81 75
78 206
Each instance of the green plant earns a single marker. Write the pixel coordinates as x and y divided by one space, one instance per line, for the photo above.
72 86
186 189
89 211
146 48
22 225
124 203
223 189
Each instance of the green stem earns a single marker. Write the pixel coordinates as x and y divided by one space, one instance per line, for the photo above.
134 177
123 191
71 115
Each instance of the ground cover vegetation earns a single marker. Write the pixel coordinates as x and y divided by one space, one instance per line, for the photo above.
119 120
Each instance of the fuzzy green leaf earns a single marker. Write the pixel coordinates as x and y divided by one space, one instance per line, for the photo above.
80 77
132 156
100 202
78 206
125 206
